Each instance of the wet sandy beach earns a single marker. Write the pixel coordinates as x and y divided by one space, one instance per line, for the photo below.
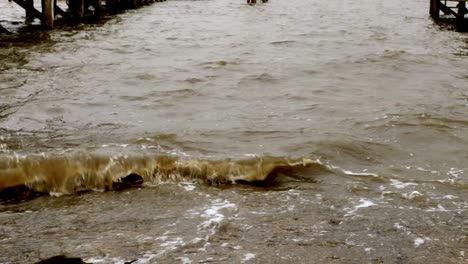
285 132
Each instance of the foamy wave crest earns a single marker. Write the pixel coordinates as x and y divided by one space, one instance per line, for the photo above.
71 173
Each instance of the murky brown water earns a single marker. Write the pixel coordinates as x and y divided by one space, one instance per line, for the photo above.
352 117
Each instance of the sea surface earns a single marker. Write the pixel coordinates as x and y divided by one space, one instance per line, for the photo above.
219 132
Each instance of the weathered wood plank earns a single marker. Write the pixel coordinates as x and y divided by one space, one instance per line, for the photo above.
447 10
59 10
34 12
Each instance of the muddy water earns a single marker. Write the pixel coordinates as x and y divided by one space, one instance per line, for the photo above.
287 132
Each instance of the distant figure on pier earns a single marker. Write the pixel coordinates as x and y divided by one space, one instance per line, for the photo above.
255 1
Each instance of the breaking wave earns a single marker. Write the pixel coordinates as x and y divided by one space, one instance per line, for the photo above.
78 172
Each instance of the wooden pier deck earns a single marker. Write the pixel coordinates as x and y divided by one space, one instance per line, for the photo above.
77 9
456 8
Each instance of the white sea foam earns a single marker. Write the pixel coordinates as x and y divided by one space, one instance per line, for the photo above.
146 258
142 238
439 208
56 194
213 215
426 170
173 244
450 197
363 204
188 186
259 213
214 218
360 173
418 241
400 185
412 195
105 260
455 172
176 153
248 257
185 260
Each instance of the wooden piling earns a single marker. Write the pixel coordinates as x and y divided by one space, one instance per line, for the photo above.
434 9
112 6
132 3
77 8
80 8
29 13
97 7
461 14
48 13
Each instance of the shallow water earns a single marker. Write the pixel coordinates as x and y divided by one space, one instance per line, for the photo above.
349 117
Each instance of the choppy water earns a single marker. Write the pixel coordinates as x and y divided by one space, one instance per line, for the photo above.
351 118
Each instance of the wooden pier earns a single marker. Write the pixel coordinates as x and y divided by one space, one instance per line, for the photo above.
77 9
456 8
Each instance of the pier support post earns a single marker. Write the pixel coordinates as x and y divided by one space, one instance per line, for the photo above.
132 4
29 14
461 14
112 6
77 8
97 7
48 13
434 9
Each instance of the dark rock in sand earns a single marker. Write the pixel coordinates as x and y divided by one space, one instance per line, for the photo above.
3 30
18 193
132 180
61 259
